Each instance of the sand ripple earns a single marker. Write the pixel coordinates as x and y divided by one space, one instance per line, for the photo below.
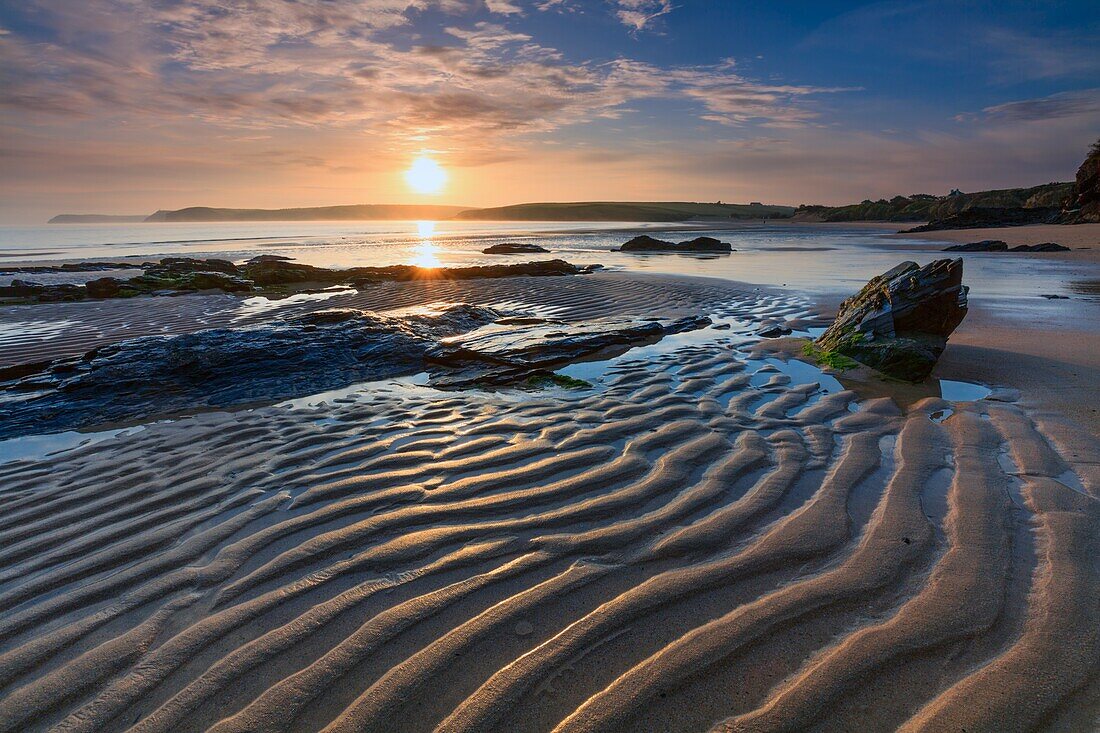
701 543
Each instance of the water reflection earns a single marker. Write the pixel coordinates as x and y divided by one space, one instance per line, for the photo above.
425 252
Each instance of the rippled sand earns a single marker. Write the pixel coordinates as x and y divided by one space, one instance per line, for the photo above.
705 540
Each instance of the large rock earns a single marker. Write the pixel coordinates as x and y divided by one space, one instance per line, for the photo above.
899 322
646 243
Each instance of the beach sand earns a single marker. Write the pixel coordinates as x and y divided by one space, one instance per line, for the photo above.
707 539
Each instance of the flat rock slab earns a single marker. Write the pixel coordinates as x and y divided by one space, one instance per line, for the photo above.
330 349
535 345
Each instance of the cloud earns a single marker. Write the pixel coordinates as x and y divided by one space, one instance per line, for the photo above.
1063 104
503 7
637 14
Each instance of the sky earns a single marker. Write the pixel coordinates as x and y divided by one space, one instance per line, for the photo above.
128 106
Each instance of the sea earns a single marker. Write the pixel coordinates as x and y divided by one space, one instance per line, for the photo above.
816 259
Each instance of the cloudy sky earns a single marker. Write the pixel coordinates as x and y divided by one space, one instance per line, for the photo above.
126 106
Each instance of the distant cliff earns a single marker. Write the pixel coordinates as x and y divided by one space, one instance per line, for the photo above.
925 207
94 219
626 211
357 212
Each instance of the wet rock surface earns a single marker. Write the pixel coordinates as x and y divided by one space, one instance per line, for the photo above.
509 352
646 243
185 274
304 355
513 248
899 322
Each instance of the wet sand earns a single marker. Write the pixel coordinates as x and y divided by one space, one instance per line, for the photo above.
708 539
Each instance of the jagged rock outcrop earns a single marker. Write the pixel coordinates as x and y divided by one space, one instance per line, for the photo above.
646 243
1084 203
899 322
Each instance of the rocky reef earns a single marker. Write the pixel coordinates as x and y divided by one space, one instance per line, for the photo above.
899 322
265 275
646 243
303 355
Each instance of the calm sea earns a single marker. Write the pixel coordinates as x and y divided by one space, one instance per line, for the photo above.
821 259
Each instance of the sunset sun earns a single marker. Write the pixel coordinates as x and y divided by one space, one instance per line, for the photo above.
425 175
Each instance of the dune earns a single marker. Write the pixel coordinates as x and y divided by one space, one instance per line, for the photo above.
705 540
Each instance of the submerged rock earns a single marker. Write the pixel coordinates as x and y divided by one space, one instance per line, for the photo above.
513 248
646 243
899 322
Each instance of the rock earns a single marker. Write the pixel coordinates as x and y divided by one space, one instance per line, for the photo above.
1051 296
988 217
513 248
646 243
314 352
899 322
505 354
996 245
268 258
170 266
104 287
214 281
16 283
76 267
43 293
1084 201
223 367
774 331
986 245
1043 247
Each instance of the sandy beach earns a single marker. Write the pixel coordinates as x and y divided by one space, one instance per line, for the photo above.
714 536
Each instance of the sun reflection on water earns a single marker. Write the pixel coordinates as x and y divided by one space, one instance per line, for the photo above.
424 254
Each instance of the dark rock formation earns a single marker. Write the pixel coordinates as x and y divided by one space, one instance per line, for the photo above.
774 331
646 243
223 367
75 267
899 322
184 274
992 217
996 245
986 245
1084 202
307 354
513 248
1042 247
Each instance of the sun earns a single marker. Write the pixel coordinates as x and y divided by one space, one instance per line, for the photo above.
425 175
